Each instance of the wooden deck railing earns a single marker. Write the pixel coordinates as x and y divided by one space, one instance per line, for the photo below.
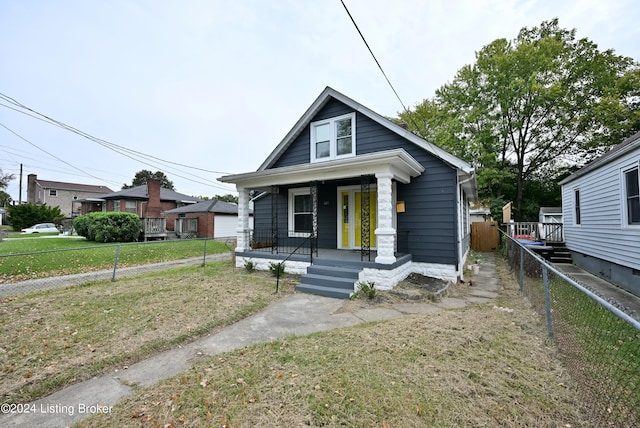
548 232
154 228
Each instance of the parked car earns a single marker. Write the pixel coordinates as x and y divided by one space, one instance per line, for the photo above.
41 228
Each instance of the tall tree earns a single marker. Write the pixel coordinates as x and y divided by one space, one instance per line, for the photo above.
5 199
536 103
5 179
144 175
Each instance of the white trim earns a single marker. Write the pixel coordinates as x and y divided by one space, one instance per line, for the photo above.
397 162
623 194
352 206
329 93
297 191
577 221
333 138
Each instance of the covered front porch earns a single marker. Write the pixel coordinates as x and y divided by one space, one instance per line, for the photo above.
345 204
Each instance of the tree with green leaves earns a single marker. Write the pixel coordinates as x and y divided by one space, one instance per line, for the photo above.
142 177
5 198
5 179
531 106
25 215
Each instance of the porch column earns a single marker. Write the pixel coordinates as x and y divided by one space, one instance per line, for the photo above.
385 233
243 230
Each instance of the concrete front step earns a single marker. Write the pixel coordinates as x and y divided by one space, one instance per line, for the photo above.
320 290
329 281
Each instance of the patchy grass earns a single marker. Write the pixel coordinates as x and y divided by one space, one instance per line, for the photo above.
26 259
483 365
52 338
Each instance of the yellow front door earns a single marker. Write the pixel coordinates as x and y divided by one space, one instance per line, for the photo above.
351 219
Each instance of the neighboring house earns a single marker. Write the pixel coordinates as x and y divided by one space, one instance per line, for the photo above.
479 213
550 227
147 201
66 196
354 183
3 213
206 219
550 215
601 209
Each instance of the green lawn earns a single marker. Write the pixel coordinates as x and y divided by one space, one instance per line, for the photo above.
40 257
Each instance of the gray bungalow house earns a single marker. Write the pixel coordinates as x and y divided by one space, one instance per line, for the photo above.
349 196
601 210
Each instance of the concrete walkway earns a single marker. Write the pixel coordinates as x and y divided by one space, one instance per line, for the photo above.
296 314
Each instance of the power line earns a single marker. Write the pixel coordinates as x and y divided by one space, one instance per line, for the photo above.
115 147
406 110
50 154
124 151
371 52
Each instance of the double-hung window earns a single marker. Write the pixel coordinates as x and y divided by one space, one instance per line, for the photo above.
576 202
300 212
333 138
131 207
632 196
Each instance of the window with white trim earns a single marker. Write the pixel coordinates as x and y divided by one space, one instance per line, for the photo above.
131 207
53 192
300 212
333 138
577 219
632 196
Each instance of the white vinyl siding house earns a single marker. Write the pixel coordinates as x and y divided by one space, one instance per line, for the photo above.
605 239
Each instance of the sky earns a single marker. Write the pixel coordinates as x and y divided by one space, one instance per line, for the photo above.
203 88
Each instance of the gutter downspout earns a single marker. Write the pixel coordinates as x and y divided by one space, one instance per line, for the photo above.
459 194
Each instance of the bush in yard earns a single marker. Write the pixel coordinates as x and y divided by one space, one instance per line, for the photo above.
109 226
26 215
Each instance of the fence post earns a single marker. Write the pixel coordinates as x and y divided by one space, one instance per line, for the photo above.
204 255
547 299
115 263
521 268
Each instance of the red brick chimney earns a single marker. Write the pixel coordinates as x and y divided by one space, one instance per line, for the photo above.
154 208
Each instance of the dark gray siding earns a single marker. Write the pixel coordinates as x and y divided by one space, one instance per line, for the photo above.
430 199
299 151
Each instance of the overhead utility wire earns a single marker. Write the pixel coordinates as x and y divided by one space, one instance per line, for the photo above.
371 52
50 154
118 149
37 115
406 110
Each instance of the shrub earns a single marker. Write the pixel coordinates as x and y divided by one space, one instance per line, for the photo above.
25 215
249 266
277 269
109 226
366 289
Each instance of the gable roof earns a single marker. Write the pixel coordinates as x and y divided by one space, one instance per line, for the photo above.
61 185
215 206
626 146
327 94
140 192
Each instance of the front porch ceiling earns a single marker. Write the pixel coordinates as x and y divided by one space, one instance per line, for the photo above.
398 163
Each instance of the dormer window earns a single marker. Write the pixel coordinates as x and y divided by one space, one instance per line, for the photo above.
333 138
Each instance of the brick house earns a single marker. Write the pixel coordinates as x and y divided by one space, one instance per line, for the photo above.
66 196
147 201
206 219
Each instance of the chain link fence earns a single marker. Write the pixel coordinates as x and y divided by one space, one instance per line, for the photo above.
39 270
599 342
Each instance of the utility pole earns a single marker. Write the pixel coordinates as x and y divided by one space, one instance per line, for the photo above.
20 187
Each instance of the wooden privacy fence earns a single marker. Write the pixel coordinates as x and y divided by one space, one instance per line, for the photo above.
484 236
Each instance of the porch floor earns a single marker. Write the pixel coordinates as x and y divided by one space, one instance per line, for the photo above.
344 257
